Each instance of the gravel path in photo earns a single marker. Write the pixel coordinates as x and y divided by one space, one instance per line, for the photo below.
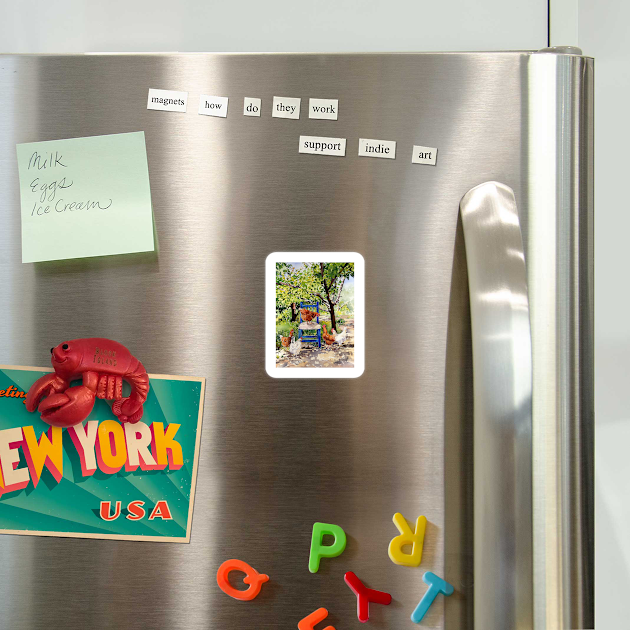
326 356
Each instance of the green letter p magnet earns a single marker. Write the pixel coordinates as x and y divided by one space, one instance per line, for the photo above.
319 551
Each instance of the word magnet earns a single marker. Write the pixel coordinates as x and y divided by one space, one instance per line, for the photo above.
319 550
252 577
285 107
365 596
322 146
167 100
377 148
251 106
323 108
436 586
424 155
407 537
213 106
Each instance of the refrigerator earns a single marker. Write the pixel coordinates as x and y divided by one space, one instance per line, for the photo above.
474 404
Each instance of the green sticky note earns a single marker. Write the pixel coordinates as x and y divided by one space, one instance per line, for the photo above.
85 197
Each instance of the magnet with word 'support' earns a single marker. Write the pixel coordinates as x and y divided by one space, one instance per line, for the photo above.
365 595
319 551
436 586
309 622
407 537
252 577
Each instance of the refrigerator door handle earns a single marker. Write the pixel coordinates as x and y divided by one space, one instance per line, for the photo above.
502 375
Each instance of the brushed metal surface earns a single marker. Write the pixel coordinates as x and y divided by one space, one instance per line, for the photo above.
502 372
560 274
276 455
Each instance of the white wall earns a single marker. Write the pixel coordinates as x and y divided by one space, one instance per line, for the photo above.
603 28
260 25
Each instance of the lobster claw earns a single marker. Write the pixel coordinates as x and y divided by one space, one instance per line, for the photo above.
68 408
43 386
127 410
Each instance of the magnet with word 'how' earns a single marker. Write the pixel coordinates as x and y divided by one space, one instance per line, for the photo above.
365 595
309 623
319 550
252 577
436 586
407 537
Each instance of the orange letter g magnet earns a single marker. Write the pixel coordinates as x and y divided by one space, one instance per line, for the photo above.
252 577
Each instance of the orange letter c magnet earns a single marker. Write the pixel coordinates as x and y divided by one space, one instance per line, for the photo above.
252 577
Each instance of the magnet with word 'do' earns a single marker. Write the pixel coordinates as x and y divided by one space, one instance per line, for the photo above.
407 537
252 577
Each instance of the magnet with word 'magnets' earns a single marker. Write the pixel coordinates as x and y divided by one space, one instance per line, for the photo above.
407 537
252 577
309 623
319 550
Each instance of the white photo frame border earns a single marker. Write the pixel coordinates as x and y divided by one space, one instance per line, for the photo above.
359 315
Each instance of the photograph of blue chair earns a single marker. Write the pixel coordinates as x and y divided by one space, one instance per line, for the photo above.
307 336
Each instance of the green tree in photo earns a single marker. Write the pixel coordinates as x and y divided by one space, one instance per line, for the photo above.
287 297
312 282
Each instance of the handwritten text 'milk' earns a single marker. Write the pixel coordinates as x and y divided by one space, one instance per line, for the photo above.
47 189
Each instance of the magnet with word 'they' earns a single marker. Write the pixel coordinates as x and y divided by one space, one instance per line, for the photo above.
252 577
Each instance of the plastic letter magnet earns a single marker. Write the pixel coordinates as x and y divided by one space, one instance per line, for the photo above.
319 551
436 586
407 537
365 596
308 623
252 577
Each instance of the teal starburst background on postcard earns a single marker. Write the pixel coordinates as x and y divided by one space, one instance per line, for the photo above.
72 505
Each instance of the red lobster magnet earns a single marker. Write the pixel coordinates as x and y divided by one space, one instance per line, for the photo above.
102 364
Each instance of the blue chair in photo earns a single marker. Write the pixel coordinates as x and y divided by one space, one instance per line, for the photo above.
310 337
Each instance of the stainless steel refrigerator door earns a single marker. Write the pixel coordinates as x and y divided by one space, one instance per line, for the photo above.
502 434
278 455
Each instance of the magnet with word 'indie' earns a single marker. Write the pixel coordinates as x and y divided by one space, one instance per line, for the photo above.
436 586
309 623
319 550
102 364
252 577
407 537
365 595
